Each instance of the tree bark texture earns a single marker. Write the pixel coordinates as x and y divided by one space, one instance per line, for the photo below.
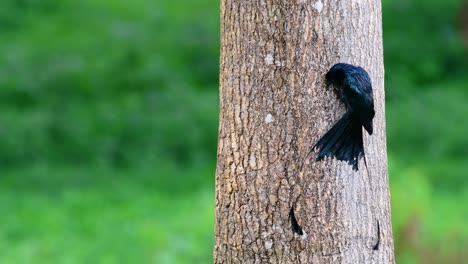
273 108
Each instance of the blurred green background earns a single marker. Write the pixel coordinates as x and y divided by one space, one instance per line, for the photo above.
108 130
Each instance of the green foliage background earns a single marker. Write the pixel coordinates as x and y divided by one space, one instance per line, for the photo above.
108 130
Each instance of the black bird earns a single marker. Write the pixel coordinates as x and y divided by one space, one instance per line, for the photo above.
344 140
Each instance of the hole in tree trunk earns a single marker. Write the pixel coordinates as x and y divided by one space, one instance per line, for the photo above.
376 246
294 225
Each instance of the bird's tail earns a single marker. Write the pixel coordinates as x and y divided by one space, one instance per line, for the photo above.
343 141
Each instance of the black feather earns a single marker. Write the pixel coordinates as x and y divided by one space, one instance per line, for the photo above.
344 140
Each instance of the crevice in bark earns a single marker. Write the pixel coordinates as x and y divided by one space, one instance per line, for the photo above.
377 244
296 228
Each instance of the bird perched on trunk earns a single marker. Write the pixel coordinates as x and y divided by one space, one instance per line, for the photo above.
344 140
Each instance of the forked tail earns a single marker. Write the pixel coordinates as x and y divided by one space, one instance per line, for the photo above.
343 141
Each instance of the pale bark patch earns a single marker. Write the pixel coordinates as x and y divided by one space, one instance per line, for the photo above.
318 6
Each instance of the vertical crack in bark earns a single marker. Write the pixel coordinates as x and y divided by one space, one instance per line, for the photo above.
294 225
377 244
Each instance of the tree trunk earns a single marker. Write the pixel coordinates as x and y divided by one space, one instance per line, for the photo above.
463 22
273 109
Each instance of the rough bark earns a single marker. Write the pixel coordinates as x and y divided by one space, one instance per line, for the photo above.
273 108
